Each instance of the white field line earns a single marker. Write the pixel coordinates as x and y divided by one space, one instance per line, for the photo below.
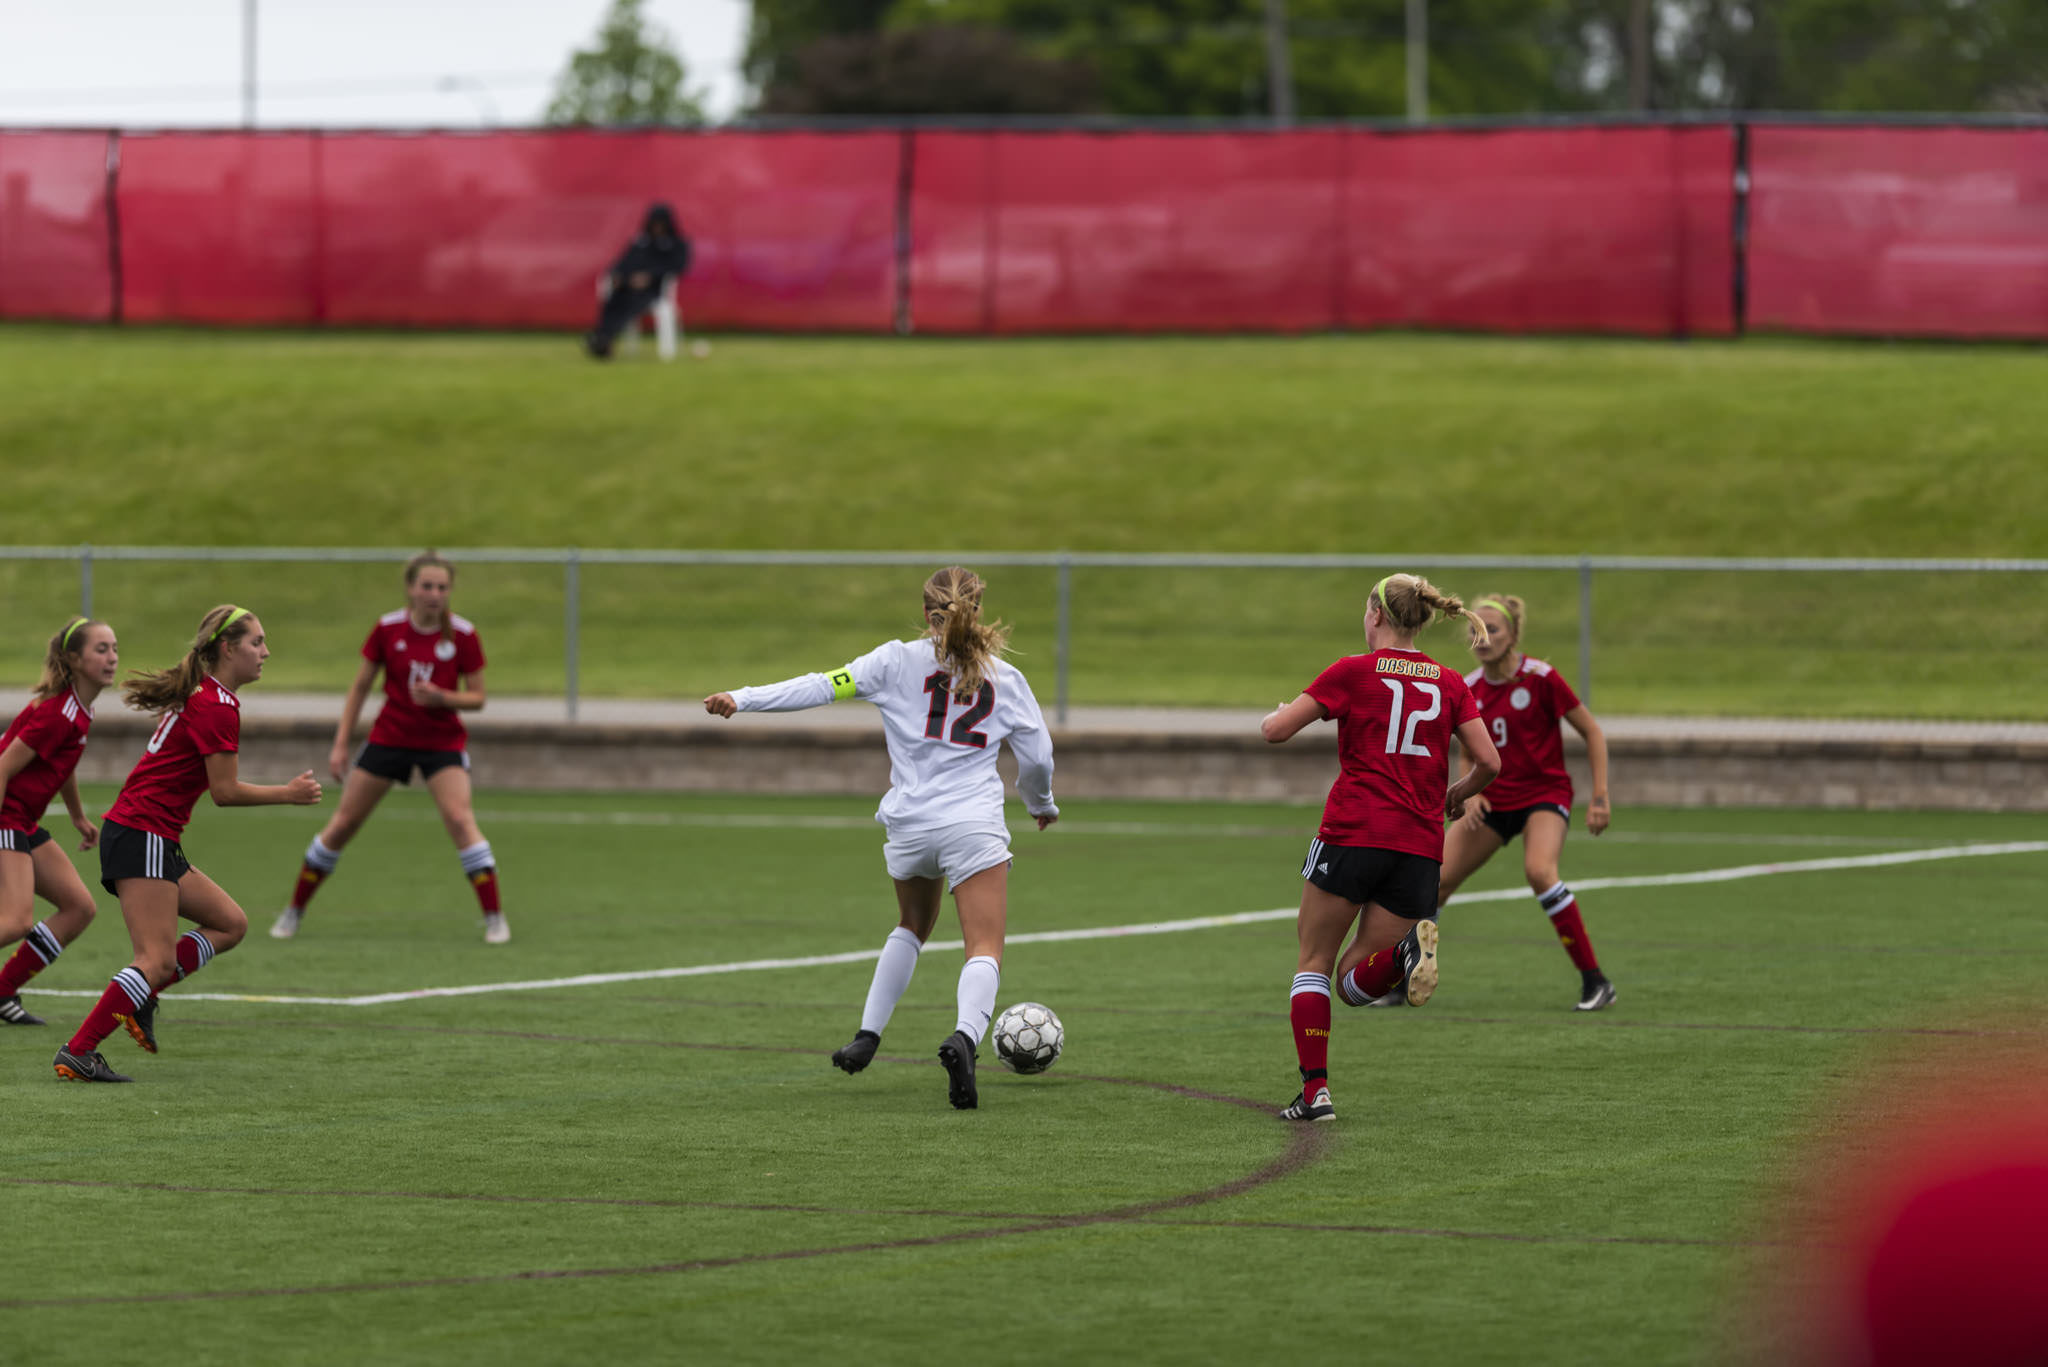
770 821
1242 918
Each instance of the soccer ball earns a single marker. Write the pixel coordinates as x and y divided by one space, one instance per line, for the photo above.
1029 1038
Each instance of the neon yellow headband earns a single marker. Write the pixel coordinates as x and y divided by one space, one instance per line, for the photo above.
237 615
65 644
1379 591
1502 608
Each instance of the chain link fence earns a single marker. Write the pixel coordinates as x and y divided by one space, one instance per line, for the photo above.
1922 638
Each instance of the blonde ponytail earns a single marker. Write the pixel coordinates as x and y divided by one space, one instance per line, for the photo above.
163 689
963 642
1409 603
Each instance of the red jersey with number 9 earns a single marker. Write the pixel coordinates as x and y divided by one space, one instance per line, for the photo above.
167 781
411 656
1396 711
54 729
1523 715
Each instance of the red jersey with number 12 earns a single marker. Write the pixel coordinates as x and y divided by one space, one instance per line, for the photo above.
411 656
1396 711
54 728
1523 715
171 774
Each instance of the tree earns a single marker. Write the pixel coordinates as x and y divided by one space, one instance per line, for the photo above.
779 29
1208 59
633 75
1846 56
941 69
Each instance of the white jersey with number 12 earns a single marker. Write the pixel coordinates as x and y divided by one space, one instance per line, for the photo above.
942 749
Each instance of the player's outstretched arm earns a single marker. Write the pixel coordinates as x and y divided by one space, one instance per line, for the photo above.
803 692
224 784
1598 813
1284 722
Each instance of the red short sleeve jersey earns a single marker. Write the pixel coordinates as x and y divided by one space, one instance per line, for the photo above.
1395 711
1524 714
171 774
411 656
54 728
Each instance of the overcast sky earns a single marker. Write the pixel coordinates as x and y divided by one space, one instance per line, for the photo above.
439 63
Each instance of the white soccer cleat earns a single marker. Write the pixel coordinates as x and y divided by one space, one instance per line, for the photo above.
1418 954
287 924
496 932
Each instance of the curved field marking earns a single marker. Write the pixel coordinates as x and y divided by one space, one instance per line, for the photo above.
1730 874
1305 1143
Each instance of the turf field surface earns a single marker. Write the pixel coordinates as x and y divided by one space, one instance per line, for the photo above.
669 1166
1382 445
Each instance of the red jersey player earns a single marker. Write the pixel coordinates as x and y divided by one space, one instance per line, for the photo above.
39 761
433 666
1522 701
1377 856
192 751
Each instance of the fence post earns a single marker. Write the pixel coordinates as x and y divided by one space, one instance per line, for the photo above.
572 590
1066 633
85 580
1586 629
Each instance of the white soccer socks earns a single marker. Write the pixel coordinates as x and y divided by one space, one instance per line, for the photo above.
892 979
318 856
979 979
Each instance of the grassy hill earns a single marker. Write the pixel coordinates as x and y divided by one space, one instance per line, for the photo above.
1397 444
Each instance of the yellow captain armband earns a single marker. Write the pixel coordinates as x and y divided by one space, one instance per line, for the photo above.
842 685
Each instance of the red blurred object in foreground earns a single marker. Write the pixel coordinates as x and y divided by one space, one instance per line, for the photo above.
1950 1262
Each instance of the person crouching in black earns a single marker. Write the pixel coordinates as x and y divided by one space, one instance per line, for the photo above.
657 253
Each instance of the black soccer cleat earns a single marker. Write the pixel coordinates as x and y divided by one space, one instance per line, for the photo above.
141 1025
1597 994
86 1067
12 1012
957 1053
857 1053
1313 1104
1418 963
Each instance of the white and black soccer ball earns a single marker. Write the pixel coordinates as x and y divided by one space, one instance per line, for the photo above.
1028 1038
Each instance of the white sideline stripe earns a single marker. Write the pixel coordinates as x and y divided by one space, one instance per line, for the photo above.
1072 827
1242 918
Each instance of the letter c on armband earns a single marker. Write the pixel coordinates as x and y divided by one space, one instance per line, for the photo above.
842 685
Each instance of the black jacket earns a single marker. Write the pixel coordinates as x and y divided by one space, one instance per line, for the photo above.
659 249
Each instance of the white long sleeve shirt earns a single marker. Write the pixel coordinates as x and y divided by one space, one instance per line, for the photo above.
942 752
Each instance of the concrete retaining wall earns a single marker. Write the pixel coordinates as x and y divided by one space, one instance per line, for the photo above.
1711 771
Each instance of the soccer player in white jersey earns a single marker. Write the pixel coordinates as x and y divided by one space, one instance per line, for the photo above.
948 702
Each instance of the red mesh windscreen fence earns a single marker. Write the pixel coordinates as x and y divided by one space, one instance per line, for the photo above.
1541 230
1940 231
1139 232
219 227
54 257
1932 231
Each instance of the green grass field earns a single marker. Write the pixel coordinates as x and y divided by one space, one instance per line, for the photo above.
1387 444
668 1169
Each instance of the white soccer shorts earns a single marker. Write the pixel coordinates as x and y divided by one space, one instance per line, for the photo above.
955 853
